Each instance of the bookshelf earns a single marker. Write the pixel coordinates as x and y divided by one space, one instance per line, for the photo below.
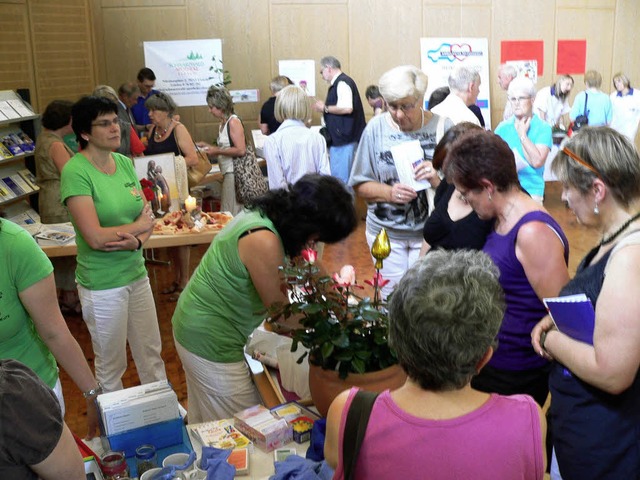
18 124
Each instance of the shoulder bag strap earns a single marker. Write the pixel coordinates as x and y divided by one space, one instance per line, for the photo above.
586 99
354 430
175 137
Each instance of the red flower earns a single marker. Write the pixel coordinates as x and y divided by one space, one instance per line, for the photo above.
309 255
377 277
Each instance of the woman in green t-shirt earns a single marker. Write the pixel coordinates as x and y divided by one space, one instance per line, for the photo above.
112 220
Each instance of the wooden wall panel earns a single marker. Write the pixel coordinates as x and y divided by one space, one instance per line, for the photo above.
15 49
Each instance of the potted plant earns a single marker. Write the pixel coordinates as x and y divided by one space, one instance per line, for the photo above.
346 334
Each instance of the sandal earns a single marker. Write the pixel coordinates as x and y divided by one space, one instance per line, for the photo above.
173 288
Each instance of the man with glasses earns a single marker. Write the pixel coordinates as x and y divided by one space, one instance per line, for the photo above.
464 84
343 116
146 82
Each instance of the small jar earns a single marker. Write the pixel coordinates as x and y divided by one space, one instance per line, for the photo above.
146 458
114 466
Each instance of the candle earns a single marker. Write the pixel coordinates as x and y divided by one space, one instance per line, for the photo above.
190 204
159 196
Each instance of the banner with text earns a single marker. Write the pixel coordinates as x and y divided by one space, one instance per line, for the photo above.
185 69
439 56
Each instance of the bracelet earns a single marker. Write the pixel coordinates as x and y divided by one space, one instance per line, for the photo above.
93 392
326 109
139 243
543 337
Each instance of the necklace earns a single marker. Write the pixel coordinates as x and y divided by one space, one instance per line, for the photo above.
164 132
103 170
623 227
397 127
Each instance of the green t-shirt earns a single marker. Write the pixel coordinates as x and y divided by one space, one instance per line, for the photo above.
23 265
220 307
118 201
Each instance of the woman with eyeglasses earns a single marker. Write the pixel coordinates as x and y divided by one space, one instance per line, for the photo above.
528 136
595 386
395 206
529 249
112 220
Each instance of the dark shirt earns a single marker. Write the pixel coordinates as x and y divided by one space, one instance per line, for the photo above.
140 112
441 232
268 116
478 113
168 145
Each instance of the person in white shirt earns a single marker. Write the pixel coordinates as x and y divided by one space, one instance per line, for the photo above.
464 84
626 107
294 150
552 102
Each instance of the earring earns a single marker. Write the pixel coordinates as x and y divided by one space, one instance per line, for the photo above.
489 194
596 210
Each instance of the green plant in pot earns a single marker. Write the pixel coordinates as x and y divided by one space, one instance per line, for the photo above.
346 334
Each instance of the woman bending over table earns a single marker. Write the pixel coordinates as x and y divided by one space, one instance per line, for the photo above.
238 278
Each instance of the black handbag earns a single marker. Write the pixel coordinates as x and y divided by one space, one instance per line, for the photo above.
581 120
249 182
324 131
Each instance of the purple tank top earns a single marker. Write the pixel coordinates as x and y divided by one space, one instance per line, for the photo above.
524 309
499 440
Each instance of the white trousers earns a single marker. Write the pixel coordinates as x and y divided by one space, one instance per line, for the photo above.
216 390
404 254
115 316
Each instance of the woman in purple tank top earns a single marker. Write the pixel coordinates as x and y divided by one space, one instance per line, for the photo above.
528 247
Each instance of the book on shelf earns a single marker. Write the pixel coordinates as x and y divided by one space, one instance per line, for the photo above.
55 234
573 315
5 192
23 141
30 178
20 107
8 111
9 141
17 189
221 434
5 152
18 180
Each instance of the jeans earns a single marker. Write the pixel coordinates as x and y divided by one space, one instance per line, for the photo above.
341 160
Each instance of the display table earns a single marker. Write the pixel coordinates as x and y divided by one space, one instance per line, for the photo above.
261 464
155 241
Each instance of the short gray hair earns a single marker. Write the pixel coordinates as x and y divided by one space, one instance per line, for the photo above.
403 81
292 103
278 83
106 91
220 98
508 69
330 61
444 315
161 101
521 85
461 76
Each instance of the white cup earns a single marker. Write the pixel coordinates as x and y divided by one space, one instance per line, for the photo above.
149 473
176 459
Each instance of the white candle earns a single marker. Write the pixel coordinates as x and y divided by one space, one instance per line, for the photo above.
190 204
159 196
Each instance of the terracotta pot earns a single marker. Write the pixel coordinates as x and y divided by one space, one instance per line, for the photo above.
325 385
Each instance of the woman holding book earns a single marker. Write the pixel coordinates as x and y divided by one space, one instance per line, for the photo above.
595 387
112 220
530 250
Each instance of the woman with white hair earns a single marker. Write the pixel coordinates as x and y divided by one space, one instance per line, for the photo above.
528 136
294 150
394 205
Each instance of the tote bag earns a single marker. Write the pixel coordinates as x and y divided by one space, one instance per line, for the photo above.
248 178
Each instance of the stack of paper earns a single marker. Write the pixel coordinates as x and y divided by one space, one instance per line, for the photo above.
55 234
137 407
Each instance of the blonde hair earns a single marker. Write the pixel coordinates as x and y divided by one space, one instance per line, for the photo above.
292 103
403 81
593 79
106 91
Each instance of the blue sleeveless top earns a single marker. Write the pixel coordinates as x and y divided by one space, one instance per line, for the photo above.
523 307
596 435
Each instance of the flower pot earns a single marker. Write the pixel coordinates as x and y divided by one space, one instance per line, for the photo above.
325 385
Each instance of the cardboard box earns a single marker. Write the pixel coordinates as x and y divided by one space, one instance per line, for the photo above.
300 418
263 428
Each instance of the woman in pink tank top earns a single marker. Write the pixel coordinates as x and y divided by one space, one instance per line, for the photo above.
444 317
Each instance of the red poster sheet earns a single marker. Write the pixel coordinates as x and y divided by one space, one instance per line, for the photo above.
572 57
523 50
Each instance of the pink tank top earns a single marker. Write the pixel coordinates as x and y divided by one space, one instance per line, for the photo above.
499 440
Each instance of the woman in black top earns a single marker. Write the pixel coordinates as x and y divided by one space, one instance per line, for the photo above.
453 224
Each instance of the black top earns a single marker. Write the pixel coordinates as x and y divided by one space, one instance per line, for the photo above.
268 116
344 129
168 145
441 232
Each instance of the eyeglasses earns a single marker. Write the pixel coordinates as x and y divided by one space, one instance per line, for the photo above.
405 108
106 123
518 99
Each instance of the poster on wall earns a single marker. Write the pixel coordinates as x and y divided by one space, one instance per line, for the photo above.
185 69
439 56
301 72
526 68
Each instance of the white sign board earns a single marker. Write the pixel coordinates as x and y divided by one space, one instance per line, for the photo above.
439 56
185 69
301 73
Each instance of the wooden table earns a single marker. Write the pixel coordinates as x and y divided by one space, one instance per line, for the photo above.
155 241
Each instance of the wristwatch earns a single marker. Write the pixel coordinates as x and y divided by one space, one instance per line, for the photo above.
139 243
543 337
94 392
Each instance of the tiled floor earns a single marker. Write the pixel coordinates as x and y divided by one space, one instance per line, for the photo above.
353 250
